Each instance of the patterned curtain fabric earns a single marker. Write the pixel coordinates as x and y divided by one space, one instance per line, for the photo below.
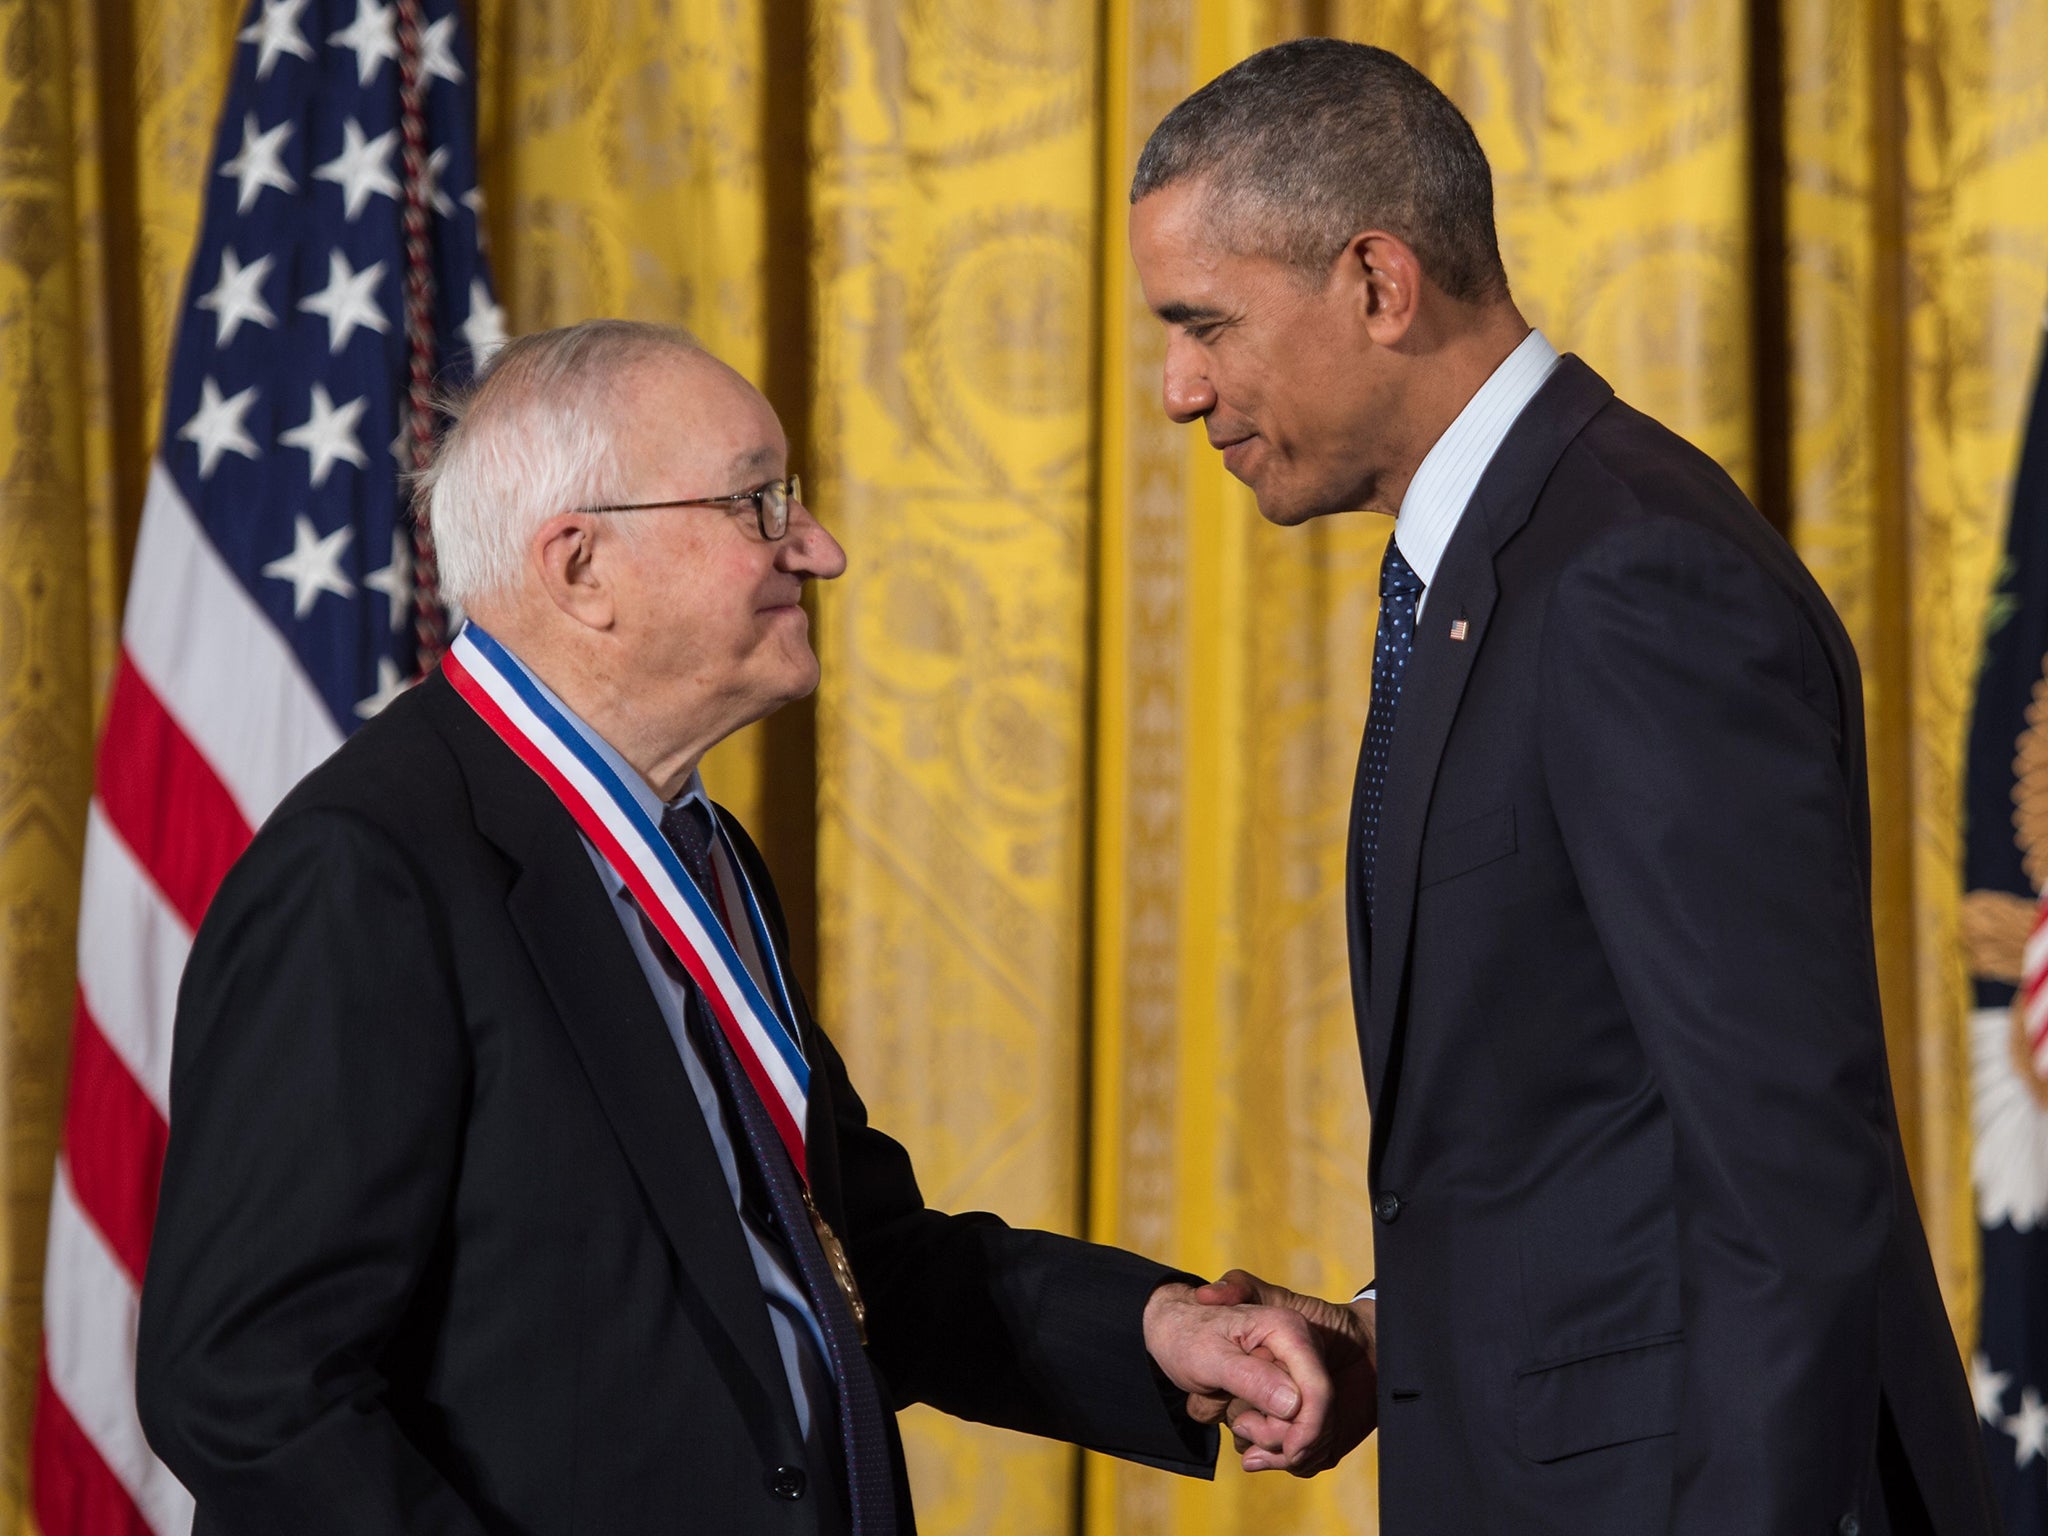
1916 139
1062 834
953 193
106 116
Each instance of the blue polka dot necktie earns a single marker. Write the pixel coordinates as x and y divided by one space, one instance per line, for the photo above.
870 1477
1400 591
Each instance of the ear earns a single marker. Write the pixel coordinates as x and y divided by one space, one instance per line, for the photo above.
565 552
1389 284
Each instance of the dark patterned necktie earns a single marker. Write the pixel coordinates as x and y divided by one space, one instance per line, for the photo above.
1400 591
869 1481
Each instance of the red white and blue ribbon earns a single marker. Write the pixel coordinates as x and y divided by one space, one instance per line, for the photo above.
618 826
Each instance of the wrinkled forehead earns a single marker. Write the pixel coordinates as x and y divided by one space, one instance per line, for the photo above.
1180 217
1189 243
690 410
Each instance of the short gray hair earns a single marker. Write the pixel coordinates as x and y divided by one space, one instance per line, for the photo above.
531 437
1305 144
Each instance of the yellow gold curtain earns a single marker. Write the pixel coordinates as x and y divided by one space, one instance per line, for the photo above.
953 198
106 118
1063 833
1917 256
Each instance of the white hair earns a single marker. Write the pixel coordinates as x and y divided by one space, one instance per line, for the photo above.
531 437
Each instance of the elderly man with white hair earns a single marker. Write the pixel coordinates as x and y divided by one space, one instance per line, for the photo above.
511 1186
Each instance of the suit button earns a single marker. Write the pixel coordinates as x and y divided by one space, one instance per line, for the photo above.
1848 1525
786 1482
1387 1207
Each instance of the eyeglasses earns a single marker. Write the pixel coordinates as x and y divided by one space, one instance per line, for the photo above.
771 504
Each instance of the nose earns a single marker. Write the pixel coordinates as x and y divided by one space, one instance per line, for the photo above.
807 549
1188 395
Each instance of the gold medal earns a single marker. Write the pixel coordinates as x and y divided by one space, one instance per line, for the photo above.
842 1268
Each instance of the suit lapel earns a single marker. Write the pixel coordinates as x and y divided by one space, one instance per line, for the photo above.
1438 669
571 930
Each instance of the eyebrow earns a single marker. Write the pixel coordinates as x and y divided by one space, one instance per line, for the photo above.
754 460
1188 314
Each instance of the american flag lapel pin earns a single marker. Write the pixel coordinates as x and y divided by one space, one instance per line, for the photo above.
1460 629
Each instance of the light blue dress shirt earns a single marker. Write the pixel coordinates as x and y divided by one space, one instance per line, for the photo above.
797 1332
1448 475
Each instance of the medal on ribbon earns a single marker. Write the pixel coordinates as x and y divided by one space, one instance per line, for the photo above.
764 1039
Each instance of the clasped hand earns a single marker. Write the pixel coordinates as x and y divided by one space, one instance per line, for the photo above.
1294 1377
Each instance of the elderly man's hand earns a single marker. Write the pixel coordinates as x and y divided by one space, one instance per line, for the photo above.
1265 1359
1347 1340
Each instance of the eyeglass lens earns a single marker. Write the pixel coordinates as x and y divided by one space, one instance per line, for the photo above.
775 500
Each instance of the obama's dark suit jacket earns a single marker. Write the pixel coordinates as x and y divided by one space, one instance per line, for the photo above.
444 1246
1648 1258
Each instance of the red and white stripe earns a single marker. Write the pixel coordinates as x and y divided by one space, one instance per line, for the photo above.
633 846
2034 992
210 721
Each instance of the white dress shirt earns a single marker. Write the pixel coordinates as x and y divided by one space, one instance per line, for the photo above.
798 1334
1452 469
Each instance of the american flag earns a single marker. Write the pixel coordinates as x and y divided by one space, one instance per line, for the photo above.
271 610
2005 924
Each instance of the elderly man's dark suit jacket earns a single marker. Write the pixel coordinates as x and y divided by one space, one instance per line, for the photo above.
1648 1259
443 1244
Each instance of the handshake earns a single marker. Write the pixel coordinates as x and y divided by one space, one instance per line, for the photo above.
1295 1378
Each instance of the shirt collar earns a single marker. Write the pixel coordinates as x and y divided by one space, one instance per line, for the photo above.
629 776
1450 473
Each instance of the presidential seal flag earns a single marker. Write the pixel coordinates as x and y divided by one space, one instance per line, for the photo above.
279 597
2005 930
